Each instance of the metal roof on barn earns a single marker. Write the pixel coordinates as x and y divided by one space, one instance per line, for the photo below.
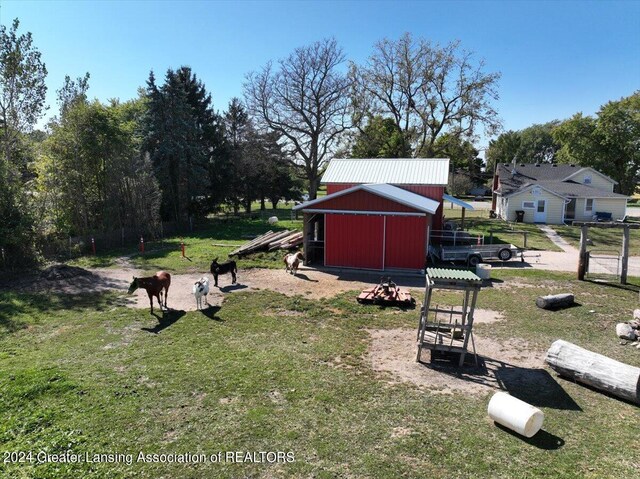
390 192
395 171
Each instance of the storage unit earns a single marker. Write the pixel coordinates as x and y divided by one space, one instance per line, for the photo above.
448 330
378 227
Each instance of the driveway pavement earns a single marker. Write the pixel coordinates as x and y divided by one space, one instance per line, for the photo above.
567 259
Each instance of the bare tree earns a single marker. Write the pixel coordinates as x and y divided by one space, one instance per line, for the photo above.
428 90
305 99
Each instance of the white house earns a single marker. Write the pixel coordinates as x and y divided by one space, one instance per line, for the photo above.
555 193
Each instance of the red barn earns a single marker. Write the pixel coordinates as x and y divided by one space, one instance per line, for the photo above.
378 213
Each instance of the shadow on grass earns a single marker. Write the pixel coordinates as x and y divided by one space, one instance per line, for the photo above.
532 385
606 393
13 303
554 309
211 311
167 319
610 284
542 439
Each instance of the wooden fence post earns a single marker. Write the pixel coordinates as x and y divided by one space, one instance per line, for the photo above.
625 255
582 258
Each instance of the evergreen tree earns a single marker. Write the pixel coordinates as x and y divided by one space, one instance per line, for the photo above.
183 138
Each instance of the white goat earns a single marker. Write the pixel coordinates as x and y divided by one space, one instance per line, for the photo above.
200 289
272 220
292 261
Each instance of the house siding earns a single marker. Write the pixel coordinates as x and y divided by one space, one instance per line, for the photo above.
597 180
616 206
554 207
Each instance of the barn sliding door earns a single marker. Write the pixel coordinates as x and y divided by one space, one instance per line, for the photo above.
405 242
354 241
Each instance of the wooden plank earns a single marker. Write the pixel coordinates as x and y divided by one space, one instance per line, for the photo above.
251 243
255 244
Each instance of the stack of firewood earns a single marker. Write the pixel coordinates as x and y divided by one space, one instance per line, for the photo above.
631 329
270 241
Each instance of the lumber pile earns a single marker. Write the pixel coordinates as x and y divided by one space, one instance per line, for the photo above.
270 241
595 370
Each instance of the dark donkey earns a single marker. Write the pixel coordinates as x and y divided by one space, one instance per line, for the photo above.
154 286
223 268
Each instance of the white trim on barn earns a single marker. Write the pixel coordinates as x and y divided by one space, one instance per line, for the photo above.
359 212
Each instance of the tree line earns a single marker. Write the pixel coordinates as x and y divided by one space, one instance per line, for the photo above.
609 142
168 155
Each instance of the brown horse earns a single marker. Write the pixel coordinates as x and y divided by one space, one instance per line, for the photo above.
154 286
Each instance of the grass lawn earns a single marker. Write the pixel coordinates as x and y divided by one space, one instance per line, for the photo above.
478 222
218 238
604 239
268 372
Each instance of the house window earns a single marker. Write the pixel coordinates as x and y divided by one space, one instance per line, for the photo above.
587 179
528 204
588 206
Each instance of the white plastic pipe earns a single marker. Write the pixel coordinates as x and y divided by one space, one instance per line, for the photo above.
515 414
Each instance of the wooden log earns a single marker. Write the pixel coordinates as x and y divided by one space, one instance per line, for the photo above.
555 301
596 370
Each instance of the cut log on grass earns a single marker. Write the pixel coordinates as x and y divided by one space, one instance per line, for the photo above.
555 301
595 370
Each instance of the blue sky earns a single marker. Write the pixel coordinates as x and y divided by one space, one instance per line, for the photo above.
556 58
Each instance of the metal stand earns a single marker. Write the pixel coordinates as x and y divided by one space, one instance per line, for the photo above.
453 330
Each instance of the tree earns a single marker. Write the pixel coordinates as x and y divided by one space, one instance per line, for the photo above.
92 176
259 168
609 142
537 144
427 90
462 153
504 149
182 136
22 86
22 103
380 138
72 91
305 101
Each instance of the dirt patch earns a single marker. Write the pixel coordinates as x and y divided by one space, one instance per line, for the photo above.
308 282
486 316
502 365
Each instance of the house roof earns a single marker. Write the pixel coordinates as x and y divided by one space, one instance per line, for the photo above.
397 171
552 177
383 190
571 189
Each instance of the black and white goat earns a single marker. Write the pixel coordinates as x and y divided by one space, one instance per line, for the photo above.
200 289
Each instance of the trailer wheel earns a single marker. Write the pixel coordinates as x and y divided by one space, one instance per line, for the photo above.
504 254
474 260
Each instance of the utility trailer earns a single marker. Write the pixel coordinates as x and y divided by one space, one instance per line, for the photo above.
472 255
